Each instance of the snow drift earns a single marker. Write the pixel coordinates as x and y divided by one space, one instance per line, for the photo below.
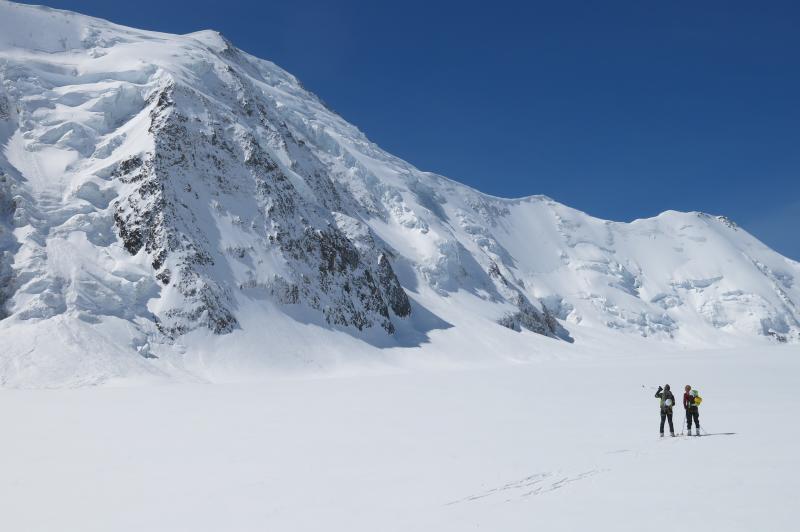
172 206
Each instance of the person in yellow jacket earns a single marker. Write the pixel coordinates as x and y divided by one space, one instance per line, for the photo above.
691 402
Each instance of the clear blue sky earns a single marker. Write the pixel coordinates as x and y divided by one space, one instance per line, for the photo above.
620 109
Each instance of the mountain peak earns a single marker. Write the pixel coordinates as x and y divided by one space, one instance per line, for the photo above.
170 205
211 38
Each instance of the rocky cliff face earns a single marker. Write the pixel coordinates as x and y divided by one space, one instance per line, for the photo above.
162 185
7 209
212 162
6 241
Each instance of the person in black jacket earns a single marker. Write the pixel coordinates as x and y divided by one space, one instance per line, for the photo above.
667 402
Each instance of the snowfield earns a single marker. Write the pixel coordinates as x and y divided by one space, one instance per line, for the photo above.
563 444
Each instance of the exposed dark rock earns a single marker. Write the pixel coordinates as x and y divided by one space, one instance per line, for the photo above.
329 273
527 316
7 241
390 285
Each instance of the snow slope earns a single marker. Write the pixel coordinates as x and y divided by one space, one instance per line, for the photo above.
172 207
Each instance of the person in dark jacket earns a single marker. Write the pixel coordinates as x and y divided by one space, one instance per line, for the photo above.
667 402
692 411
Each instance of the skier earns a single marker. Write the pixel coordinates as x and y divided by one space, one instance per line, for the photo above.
667 402
691 400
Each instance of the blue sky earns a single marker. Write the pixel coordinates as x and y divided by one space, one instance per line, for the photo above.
620 109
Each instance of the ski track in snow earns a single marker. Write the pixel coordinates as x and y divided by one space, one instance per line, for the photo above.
548 481
531 485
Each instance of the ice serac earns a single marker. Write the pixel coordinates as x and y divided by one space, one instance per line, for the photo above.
169 195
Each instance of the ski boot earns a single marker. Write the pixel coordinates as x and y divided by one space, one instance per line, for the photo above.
697 431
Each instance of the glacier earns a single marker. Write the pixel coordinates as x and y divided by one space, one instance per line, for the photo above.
172 207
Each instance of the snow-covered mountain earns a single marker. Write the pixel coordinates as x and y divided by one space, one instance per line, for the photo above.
171 204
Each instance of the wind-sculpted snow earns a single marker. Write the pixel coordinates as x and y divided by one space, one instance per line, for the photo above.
187 203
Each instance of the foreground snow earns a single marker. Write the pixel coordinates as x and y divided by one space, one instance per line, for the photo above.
561 444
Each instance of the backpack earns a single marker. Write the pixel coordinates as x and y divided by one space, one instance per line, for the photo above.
697 398
667 399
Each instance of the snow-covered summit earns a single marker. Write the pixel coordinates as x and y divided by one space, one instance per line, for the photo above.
171 204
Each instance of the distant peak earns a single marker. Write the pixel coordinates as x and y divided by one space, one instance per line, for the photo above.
211 38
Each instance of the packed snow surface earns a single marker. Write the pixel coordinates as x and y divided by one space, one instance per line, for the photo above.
174 208
568 444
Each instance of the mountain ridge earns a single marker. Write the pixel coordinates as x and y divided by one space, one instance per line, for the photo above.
155 189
